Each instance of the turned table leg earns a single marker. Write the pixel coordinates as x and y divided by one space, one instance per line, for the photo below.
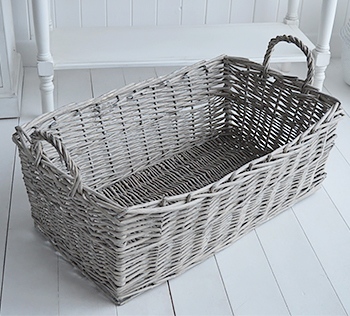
322 52
291 18
44 58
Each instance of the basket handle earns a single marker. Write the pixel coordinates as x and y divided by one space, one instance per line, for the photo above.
297 42
38 135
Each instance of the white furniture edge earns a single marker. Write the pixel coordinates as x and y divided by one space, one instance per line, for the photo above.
11 101
161 45
11 69
169 45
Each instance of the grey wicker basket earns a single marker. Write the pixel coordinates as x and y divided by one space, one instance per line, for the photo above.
137 186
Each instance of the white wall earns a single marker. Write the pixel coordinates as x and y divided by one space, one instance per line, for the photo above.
104 13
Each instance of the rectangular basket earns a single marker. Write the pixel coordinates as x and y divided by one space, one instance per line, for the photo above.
137 186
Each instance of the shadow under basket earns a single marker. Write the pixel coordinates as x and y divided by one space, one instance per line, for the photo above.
137 186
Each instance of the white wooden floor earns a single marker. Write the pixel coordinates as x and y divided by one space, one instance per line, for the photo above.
296 264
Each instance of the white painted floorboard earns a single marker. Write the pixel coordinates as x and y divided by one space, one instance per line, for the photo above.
72 86
30 284
6 174
31 105
247 276
105 80
296 264
156 302
329 237
78 296
200 291
302 280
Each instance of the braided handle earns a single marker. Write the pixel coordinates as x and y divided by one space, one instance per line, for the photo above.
38 135
297 42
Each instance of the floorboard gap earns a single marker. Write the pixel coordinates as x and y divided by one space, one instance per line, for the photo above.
8 226
274 276
223 284
171 298
319 261
340 214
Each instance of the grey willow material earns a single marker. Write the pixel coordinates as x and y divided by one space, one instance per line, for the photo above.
138 185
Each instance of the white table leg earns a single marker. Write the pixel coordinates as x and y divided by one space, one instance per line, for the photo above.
44 58
322 52
291 18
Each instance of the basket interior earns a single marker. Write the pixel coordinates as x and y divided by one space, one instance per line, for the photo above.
178 133
271 111
187 171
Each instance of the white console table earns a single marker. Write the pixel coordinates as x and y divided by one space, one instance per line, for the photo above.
170 45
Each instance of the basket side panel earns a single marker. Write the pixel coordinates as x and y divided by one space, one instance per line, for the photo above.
131 129
166 118
270 111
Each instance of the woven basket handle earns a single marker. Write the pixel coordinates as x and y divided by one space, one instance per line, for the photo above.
38 135
297 42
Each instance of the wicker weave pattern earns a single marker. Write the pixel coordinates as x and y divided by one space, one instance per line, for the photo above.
140 184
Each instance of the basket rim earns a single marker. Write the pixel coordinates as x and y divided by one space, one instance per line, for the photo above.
124 91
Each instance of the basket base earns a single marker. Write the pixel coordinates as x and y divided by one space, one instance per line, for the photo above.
184 172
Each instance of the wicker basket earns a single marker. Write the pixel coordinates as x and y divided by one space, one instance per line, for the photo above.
139 185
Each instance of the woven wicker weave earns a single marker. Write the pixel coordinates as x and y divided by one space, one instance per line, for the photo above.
139 185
